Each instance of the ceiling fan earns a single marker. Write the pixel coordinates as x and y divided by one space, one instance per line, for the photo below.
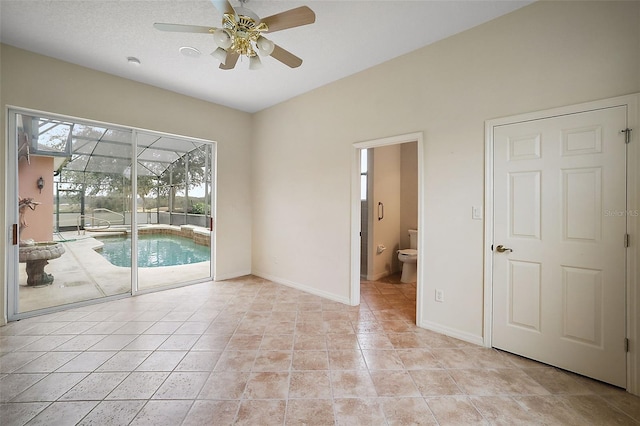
241 34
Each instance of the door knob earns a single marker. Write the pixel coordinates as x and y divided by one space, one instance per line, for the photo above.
502 249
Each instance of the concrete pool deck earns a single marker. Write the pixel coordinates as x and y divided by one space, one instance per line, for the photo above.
82 274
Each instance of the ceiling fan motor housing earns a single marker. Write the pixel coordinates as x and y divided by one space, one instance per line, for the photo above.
243 31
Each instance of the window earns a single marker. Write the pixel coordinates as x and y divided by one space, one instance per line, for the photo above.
363 174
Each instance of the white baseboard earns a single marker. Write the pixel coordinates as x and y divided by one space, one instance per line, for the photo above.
231 275
302 287
452 332
378 276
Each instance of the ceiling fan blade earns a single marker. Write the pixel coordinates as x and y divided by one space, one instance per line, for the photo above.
291 18
223 6
232 58
286 57
179 28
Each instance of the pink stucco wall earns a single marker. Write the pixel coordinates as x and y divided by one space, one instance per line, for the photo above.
40 220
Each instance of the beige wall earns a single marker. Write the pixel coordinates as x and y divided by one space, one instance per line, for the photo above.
395 183
37 82
408 191
545 55
385 175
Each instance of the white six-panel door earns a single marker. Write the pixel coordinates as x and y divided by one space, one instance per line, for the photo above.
559 215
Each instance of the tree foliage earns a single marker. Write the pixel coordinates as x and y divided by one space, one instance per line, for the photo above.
108 150
171 181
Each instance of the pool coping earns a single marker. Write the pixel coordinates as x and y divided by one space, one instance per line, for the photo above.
199 235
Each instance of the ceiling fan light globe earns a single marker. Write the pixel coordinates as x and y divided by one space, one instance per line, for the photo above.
255 63
222 38
220 54
265 46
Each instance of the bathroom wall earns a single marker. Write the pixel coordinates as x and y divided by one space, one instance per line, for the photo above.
394 177
408 191
386 190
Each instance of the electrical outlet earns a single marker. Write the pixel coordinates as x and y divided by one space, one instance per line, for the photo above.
439 295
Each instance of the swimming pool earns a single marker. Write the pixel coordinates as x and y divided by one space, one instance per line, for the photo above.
154 250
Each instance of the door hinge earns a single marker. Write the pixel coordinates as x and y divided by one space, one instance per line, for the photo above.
626 344
627 240
627 135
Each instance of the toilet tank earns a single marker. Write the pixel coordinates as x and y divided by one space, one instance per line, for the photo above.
413 239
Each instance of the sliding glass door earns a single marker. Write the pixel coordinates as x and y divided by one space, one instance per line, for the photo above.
80 189
173 210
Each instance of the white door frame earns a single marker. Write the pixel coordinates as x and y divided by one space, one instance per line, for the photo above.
354 297
633 220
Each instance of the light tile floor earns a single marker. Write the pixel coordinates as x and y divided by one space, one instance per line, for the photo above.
248 351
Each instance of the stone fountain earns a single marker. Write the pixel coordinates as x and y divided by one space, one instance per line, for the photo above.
36 254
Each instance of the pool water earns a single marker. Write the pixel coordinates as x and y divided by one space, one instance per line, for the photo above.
154 251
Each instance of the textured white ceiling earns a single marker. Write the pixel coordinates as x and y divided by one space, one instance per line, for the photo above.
347 37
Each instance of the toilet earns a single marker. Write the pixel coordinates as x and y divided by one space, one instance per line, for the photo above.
409 258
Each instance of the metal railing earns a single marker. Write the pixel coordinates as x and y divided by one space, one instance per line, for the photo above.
102 224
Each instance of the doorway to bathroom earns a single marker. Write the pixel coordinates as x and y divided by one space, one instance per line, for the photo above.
387 200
